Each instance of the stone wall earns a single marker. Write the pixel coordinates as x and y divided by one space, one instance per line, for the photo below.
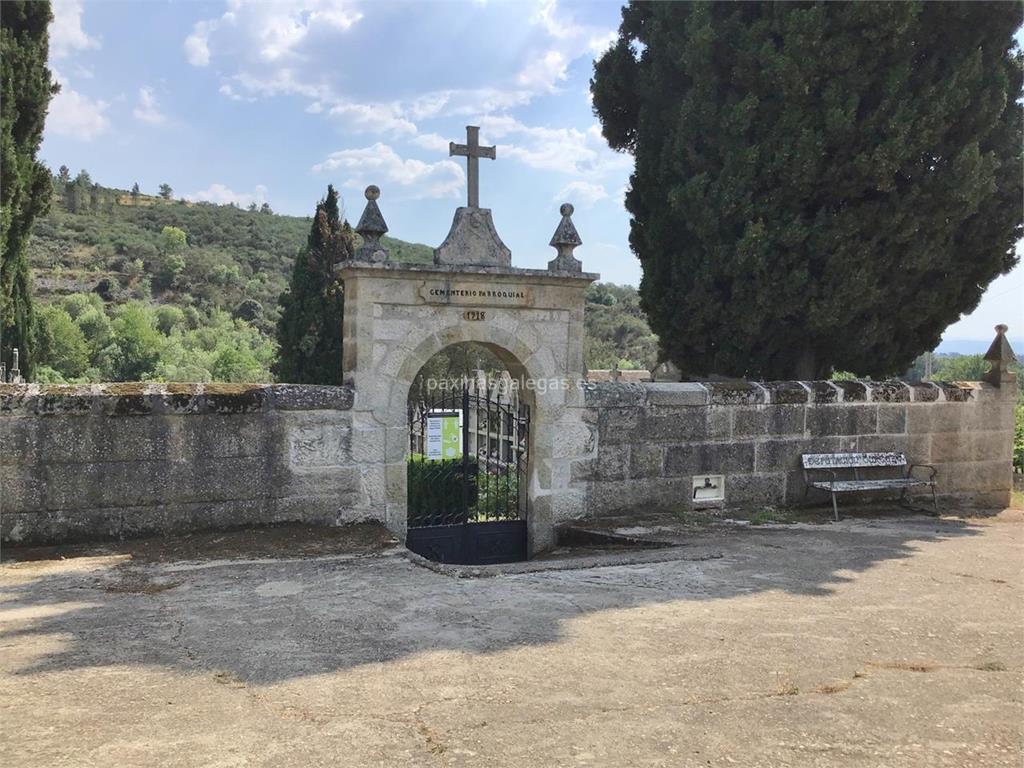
653 439
130 459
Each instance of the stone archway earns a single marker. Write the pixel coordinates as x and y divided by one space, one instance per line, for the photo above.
398 316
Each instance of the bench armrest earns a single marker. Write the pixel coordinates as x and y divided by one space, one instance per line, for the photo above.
933 471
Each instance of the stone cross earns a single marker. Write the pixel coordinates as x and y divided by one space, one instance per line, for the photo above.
472 151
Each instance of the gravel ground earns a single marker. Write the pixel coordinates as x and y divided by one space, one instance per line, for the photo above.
894 641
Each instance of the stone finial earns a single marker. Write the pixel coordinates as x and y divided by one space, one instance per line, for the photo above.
564 241
371 227
1001 357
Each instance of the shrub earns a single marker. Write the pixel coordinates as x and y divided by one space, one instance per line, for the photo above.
435 489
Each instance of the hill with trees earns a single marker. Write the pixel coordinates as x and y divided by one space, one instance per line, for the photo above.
138 286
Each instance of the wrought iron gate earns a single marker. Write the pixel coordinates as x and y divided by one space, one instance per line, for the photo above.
467 498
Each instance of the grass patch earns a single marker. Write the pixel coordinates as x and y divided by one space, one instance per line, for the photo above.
692 517
770 515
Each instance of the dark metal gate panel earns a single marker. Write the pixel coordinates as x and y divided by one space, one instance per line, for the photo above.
498 541
470 510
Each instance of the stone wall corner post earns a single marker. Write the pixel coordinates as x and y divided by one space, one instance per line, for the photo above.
1000 357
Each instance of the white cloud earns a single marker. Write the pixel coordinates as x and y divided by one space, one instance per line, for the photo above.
432 141
381 165
564 150
231 93
222 195
148 110
72 114
459 103
544 73
282 26
599 43
276 30
582 193
197 44
281 48
66 33
378 118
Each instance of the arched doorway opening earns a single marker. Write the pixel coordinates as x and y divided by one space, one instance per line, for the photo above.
469 457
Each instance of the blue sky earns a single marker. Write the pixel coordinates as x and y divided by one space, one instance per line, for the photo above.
242 101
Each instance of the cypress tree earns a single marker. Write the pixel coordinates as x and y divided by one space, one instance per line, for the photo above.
25 183
816 185
309 328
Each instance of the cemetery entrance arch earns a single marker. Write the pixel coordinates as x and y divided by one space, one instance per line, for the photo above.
397 316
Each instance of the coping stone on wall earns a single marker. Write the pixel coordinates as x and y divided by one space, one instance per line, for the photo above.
786 392
823 392
924 392
893 391
141 399
608 394
956 391
853 391
311 397
736 393
682 393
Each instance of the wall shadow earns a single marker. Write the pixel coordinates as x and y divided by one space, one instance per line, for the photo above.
273 620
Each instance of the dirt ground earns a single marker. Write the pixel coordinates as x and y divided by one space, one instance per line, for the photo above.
886 641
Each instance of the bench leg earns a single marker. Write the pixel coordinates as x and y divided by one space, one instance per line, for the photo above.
835 508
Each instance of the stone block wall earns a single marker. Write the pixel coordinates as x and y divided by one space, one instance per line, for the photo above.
653 439
121 460
130 459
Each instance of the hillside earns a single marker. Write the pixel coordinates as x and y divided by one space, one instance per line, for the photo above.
111 243
135 286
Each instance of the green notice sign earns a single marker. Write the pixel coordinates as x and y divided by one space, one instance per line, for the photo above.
444 437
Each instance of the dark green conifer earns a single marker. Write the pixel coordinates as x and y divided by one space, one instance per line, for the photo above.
25 183
309 329
817 185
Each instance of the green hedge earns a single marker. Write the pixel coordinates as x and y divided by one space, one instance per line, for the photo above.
435 490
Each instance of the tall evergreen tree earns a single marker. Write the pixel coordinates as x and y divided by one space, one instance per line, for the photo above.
816 185
309 328
25 183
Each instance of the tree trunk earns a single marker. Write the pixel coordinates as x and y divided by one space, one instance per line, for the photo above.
806 367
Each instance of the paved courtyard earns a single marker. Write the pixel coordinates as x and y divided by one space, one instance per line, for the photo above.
894 641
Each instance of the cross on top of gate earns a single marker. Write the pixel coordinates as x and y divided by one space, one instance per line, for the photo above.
472 151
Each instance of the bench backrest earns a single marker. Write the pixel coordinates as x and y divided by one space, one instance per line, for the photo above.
853 460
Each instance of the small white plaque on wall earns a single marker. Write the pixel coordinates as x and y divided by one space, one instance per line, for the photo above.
708 488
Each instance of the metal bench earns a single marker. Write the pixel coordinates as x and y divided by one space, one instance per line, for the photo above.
864 464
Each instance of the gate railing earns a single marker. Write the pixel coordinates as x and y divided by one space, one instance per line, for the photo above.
487 480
